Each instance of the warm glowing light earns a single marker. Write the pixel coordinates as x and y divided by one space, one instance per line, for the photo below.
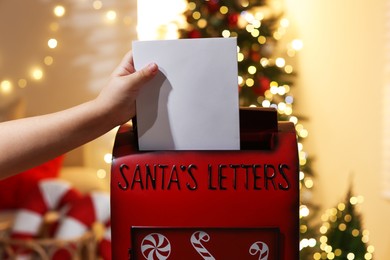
284 22
224 10
281 90
353 200
341 206
259 16
303 133
288 69
6 87
348 218
244 3
191 6
196 15
301 175
97 4
304 211
277 36
152 23
274 89
249 82
355 232
309 183
37 73
48 60
294 120
252 70
256 23
226 33
202 23
261 39
323 230
240 57
22 83
111 15
108 158
52 43
240 81
370 249
280 62
59 11
248 16
351 256
338 252
255 33
342 227
288 111
297 44
101 173
266 103
281 106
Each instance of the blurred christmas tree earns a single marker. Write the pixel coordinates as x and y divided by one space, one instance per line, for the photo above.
265 77
342 234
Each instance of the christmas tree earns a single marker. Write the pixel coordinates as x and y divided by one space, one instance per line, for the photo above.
343 236
265 77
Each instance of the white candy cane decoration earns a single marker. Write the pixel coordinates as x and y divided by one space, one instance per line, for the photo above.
94 207
261 248
155 247
50 194
196 239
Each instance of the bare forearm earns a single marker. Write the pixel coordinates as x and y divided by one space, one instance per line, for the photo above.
27 142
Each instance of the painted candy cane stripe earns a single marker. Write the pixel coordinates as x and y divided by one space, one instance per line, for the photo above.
53 191
101 205
196 239
27 222
260 248
71 228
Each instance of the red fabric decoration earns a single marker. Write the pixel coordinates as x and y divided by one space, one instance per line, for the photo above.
15 189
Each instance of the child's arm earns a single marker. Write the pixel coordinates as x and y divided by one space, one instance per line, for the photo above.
28 142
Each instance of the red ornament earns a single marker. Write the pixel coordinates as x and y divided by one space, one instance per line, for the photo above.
263 85
255 56
232 20
213 6
194 34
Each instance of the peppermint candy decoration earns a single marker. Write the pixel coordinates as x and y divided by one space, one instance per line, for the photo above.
261 248
155 247
196 239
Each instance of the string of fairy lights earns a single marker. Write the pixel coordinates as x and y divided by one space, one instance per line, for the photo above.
36 73
339 218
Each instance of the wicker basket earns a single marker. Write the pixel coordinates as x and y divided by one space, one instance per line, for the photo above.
81 248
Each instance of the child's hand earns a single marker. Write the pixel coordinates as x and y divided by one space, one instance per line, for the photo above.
119 96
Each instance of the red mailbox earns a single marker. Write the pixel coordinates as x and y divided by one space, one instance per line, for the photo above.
209 204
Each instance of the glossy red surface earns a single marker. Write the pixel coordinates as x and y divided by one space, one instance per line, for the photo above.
207 189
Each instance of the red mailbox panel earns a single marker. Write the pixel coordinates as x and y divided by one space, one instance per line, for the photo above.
209 243
217 192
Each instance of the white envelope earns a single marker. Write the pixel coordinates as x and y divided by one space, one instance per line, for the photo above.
192 103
